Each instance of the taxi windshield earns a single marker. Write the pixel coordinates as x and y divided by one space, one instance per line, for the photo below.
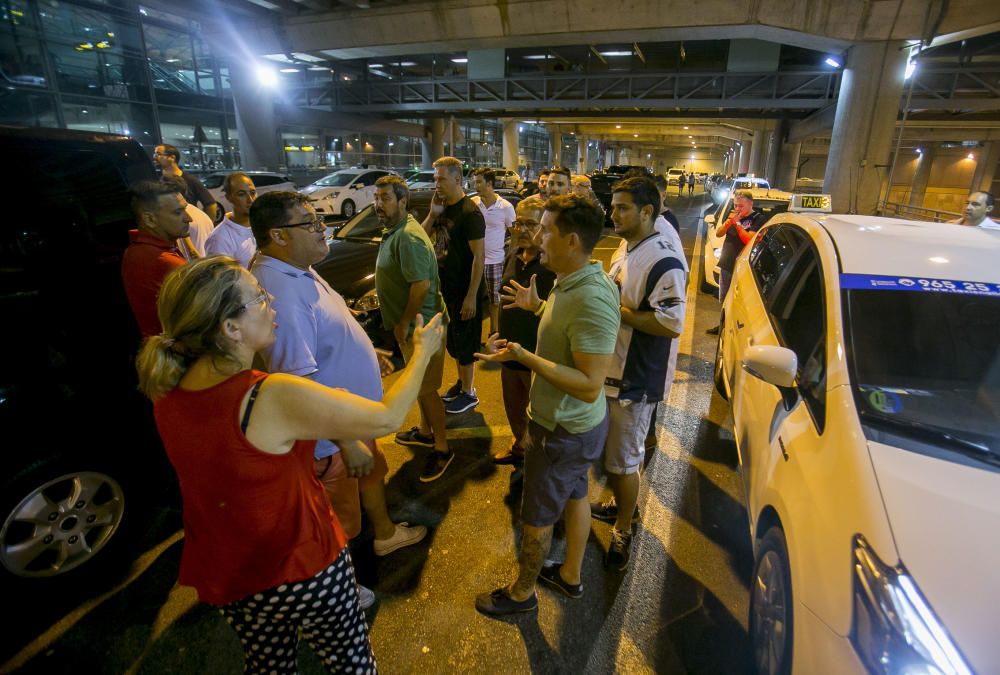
926 365
337 179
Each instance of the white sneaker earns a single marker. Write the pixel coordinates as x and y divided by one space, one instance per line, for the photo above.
366 596
404 535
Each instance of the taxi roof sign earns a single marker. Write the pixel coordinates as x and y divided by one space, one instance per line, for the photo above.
802 203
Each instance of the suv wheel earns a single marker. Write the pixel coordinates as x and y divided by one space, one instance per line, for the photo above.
54 524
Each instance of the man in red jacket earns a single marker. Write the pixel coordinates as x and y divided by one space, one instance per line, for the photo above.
739 229
161 220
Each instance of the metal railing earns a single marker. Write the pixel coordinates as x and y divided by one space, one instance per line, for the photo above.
918 213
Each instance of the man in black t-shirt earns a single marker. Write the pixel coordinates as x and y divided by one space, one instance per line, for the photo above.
167 158
457 228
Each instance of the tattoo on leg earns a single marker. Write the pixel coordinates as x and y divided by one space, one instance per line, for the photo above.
535 543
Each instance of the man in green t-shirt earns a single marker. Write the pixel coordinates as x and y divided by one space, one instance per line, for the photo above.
568 413
406 281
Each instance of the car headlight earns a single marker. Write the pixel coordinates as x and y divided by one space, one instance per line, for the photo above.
894 629
717 252
367 302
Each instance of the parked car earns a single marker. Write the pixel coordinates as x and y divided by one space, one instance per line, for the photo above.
674 175
861 360
264 181
349 268
768 202
725 189
507 179
345 192
82 457
421 180
622 169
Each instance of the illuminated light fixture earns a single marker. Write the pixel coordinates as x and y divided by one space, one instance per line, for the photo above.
84 111
938 259
356 140
970 156
460 59
690 136
266 76
375 65
172 60
291 148
737 142
520 129
617 53
618 126
289 70
692 156
407 64
103 44
391 144
307 148
832 62
84 46
685 127
911 67
318 68
635 135
110 34
538 57
919 151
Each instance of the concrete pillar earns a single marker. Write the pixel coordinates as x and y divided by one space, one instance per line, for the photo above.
426 156
753 162
510 144
581 155
256 124
864 126
773 148
788 166
986 169
436 126
744 148
921 176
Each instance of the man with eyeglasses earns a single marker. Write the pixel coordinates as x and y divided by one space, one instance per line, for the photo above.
167 158
318 337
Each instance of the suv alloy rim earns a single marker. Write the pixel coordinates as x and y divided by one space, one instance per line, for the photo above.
61 524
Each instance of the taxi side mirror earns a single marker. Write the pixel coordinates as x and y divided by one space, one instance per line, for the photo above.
774 365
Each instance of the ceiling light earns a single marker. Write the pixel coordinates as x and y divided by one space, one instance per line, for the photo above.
307 57
832 62
267 76
613 53
690 136
318 68
685 127
919 151
970 156
911 68
618 126
289 70
375 65
460 60
538 57
407 64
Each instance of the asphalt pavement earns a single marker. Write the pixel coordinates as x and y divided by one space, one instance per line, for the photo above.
681 607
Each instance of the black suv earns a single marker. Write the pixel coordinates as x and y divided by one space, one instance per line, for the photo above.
79 441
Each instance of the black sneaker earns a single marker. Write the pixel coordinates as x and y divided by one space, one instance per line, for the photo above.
462 402
499 603
550 576
619 551
452 393
712 331
413 437
607 512
436 464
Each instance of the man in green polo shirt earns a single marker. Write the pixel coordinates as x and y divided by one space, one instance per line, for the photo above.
567 410
406 281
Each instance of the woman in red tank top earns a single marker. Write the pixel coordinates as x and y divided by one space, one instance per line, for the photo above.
261 541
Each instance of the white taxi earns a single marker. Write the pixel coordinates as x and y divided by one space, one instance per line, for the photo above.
345 192
861 356
767 201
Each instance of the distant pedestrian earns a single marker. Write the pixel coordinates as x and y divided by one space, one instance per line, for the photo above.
692 178
498 214
681 180
168 158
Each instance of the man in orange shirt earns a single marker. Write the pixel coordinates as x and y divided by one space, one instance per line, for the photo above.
161 220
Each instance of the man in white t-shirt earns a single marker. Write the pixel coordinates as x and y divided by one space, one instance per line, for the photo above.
233 236
499 215
978 207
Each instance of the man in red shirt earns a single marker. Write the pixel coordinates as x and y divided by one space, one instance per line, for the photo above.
152 253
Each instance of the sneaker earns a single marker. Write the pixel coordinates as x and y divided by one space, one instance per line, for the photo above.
513 456
607 512
550 576
413 437
366 597
499 603
462 402
404 535
619 551
437 462
452 393
712 331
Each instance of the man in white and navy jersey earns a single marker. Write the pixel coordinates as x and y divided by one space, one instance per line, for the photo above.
651 273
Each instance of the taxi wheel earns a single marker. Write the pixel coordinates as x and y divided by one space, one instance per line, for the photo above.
347 210
717 376
771 606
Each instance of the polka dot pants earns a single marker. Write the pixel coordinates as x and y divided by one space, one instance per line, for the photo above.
324 608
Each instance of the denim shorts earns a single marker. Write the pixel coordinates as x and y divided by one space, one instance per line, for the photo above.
556 469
